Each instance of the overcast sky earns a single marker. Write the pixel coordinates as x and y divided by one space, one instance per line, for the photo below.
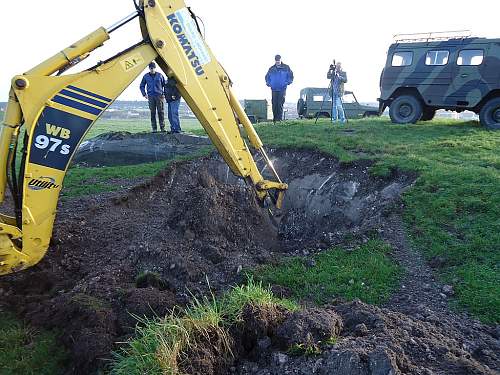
245 35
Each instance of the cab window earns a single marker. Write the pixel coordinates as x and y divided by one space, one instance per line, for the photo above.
437 58
348 98
471 57
402 59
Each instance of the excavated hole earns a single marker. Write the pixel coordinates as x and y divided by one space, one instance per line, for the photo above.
326 201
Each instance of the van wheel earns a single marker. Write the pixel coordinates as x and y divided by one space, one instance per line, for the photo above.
428 114
490 114
405 109
301 107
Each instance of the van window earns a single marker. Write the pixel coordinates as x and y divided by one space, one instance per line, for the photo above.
470 57
437 58
402 59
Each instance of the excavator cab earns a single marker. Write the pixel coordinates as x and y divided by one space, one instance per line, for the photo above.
49 113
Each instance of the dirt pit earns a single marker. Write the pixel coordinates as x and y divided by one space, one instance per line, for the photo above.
195 225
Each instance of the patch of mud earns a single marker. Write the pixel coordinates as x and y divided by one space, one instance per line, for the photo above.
124 148
194 225
373 341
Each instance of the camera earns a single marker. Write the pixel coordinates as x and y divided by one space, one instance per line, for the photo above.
333 66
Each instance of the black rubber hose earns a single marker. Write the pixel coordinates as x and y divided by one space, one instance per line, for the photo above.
193 16
138 8
21 172
14 186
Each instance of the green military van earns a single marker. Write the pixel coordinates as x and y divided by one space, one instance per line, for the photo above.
427 72
317 102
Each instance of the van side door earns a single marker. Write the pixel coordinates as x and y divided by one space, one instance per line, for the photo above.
435 70
469 83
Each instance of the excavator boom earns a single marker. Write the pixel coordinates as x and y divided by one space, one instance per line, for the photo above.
53 112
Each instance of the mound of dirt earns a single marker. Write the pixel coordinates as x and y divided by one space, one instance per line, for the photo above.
374 341
197 227
123 148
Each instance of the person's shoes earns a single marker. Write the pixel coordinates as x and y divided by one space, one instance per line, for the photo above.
155 131
163 130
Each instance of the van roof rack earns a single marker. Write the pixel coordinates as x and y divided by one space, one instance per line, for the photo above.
432 36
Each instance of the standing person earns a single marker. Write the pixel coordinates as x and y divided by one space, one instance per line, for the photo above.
153 89
173 97
338 78
278 78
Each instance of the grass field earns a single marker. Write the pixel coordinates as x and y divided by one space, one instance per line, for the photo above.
452 213
135 126
366 273
26 351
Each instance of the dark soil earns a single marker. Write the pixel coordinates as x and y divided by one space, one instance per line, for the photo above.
197 228
373 341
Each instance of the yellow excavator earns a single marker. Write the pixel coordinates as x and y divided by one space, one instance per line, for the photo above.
52 112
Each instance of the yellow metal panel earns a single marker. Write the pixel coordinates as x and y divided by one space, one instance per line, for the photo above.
44 176
58 111
201 81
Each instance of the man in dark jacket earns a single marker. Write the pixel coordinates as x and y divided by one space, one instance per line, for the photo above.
278 78
153 89
173 97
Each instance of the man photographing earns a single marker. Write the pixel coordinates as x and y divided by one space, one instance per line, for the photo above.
338 78
278 78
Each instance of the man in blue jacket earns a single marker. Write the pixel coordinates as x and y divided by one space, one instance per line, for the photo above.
153 89
278 78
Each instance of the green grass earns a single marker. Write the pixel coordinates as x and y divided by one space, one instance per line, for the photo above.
135 126
366 273
26 351
160 344
453 210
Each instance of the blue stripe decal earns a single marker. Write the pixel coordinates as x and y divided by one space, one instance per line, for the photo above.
77 105
83 98
90 94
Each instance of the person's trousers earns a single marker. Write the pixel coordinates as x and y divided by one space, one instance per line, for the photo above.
173 116
338 109
156 105
278 102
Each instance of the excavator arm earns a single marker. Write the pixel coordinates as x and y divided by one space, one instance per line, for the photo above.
49 114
